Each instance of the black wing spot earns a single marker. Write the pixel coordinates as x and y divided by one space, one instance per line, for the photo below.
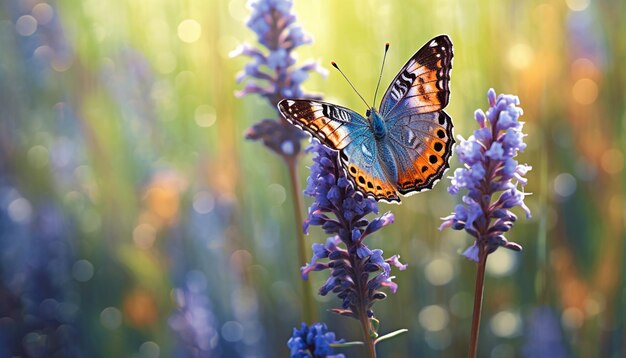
438 146
424 169
441 133
370 185
378 187
442 119
432 159
361 180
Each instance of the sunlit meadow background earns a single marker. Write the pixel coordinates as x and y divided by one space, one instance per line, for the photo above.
135 220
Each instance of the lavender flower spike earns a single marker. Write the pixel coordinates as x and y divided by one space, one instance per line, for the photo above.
313 341
272 72
490 172
357 273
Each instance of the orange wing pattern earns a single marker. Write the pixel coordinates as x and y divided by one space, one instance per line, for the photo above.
422 146
422 85
334 126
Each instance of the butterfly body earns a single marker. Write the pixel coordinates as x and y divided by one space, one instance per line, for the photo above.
404 147
377 123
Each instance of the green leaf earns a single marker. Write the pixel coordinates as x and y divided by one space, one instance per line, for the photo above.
375 325
346 344
391 335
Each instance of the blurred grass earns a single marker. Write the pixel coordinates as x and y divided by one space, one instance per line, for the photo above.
135 138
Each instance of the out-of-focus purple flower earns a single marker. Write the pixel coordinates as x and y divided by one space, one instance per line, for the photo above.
544 337
272 72
489 171
357 273
44 50
39 295
194 321
313 341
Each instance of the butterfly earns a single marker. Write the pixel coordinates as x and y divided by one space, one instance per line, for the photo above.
406 145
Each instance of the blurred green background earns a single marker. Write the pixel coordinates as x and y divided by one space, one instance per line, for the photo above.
135 220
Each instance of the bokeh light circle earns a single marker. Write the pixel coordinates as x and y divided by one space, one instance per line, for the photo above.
111 318
585 91
149 349
612 161
439 272
20 211
82 270
520 56
502 263
189 31
43 13
26 25
232 331
506 324
577 5
434 318
564 185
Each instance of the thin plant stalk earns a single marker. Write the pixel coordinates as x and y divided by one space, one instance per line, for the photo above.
309 313
362 313
367 337
478 300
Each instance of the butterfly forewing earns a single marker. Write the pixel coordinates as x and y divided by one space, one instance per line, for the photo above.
422 85
342 129
334 126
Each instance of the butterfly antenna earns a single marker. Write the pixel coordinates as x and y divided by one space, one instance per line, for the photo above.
351 85
381 71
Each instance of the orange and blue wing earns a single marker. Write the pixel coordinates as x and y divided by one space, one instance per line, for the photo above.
422 146
420 135
344 130
362 161
334 126
422 85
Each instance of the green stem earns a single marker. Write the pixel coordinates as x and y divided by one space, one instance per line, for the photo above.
367 336
478 300
309 313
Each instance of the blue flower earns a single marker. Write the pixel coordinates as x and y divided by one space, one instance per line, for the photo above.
272 72
543 335
490 171
313 341
357 272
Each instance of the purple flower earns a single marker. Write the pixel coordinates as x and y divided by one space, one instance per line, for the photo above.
543 335
357 273
193 321
313 341
489 172
272 72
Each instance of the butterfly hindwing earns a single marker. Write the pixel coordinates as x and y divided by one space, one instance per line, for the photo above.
334 126
361 160
422 147
422 85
